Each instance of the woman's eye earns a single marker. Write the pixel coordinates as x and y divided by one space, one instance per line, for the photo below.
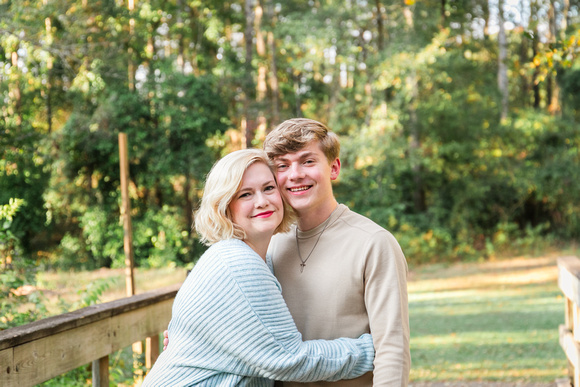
270 188
244 195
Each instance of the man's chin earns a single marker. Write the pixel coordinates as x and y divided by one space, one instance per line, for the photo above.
298 203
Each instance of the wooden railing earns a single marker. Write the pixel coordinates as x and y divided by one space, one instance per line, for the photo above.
569 282
39 351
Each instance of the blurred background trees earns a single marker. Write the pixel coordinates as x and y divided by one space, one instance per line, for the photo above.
459 120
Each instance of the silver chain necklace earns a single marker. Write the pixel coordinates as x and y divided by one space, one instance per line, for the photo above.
303 261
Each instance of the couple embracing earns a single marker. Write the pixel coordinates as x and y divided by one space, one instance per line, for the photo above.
294 288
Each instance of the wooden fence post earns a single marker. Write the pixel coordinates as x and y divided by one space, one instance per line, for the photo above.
101 372
569 283
128 234
151 351
126 214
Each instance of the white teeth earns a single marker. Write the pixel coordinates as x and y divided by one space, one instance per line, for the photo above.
298 189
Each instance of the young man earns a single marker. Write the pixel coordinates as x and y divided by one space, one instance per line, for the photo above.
341 274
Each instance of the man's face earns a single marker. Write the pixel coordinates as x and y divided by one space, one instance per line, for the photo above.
305 178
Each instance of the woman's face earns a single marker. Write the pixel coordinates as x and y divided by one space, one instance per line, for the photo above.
257 206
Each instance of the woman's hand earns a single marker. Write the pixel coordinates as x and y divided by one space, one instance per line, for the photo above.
165 339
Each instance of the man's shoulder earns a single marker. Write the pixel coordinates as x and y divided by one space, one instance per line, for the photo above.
284 237
356 221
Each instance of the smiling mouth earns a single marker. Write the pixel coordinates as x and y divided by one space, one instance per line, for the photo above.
300 189
264 214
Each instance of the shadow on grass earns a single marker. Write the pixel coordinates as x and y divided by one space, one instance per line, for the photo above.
488 322
448 271
524 321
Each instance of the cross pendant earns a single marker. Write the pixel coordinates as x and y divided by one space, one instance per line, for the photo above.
302 267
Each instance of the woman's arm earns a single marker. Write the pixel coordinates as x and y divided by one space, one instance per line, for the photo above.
266 340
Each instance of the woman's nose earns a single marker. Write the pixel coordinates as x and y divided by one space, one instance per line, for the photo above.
261 200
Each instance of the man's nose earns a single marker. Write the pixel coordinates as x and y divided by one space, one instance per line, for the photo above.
296 172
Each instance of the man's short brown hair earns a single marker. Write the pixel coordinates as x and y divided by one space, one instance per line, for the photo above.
294 134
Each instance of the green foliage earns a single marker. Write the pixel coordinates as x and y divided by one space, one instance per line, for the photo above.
9 243
19 306
19 302
410 86
23 175
475 174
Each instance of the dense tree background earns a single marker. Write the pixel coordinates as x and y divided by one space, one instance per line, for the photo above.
459 119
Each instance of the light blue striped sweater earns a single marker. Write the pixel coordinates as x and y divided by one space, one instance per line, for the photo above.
231 327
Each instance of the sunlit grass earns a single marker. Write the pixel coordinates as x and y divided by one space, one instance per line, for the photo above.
495 321
68 286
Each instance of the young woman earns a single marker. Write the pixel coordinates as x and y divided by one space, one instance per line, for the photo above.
230 325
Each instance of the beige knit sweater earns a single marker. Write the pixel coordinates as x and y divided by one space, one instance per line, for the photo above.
354 282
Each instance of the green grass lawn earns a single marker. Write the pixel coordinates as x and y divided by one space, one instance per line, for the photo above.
493 321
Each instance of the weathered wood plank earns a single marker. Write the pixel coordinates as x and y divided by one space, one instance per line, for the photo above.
50 356
569 314
7 368
569 277
569 283
113 326
572 350
139 324
563 382
52 325
47 357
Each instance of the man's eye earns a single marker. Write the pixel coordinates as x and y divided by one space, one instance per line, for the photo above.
281 166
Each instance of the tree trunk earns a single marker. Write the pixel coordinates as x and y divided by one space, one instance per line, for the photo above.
533 23
412 83
535 87
49 101
380 26
443 16
250 123
274 88
197 31
502 79
553 89
524 82
485 8
262 86
188 207
565 21
15 93
49 64
131 65
298 101
415 144
180 42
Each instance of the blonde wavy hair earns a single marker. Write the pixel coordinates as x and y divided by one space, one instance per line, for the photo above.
213 221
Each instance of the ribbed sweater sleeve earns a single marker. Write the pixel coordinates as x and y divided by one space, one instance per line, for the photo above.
229 318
